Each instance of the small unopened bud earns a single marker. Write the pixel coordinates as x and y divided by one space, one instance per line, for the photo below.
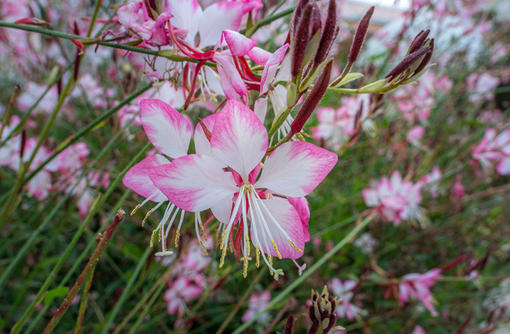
313 99
301 41
419 40
329 327
427 58
325 323
33 21
359 36
328 35
315 20
407 62
311 313
289 326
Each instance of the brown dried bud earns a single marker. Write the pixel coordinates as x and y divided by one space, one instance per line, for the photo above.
301 41
407 62
328 34
313 99
419 40
359 36
427 58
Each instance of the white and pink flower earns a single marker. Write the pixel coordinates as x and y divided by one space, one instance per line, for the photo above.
418 286
256 304
344 292
494 149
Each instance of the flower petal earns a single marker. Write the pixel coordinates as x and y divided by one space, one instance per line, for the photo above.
238 44
187 14
220 16
370 197
194 182
295 169
202 144
259 56
503 167
138 180
127 15
288 219
271 67
167 129
239 138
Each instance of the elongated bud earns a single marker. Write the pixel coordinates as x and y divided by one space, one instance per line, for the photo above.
33 21
427 58
419 40
289 326
315 20
359 36
407 62
313 99
328 34
298 11
332 322
301 41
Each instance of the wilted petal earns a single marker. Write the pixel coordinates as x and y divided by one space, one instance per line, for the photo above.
168 130
138 180
239 138
194 182
295 169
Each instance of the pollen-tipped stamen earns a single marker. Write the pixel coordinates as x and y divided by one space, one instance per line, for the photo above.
295 247
135 209
257 262
245 267
276 250
203 248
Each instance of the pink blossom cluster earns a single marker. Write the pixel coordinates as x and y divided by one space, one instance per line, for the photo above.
418 286
344 291
256 304
395 199
494 149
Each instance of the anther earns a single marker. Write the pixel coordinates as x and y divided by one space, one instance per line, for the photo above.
135 209
245 267
257 250
276 250
203 231
152 238
202 245
270 260
147 216
247 244
295 247
177 235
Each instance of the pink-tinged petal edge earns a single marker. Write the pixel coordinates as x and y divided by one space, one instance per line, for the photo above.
238 44
295 169
138 180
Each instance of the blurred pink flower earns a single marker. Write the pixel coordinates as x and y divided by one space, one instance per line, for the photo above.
344 292
257 303
431 180
418 330
182 290
415 134
494 149
395 199
418 286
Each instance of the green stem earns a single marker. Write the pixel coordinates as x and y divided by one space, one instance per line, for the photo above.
84 300
308 272
126 291
94 17
269 20
85 273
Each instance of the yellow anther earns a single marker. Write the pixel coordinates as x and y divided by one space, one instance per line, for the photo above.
258 256
202 245
294 246
177 235
223 254
247 244
222 244
203 231
245 267
152 238
147 216
159 236
270 260
276 249
135 209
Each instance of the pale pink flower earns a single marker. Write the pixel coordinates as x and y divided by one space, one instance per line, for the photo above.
458 188
395 199
418 286
256 304
432 179
32 93
344 292
480 86
415 134
418 330
239 140
494 149
182 290
9 152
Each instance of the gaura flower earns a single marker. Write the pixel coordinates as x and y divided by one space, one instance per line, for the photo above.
257 303
170 132
182 290
198 182
344 292
418 286
494 149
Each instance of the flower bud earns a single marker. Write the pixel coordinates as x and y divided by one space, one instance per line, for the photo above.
418 41
289 326
407 62
328 35
300 41
359 36
313 99
427 58
315 20
298 11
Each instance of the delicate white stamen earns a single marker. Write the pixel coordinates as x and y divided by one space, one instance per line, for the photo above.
149 198
172 220
234 215
273 219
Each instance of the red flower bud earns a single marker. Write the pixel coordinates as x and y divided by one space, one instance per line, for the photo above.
313 100
427 58
301 41
419 40
407 62
328 34
315 21
289 326
359 36
33 21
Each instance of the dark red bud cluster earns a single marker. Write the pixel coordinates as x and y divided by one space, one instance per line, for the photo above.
421 50
322 312
289 325
313 99
306 23
359 35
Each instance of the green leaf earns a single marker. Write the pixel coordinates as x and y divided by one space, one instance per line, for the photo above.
374 86
348 78
61 291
